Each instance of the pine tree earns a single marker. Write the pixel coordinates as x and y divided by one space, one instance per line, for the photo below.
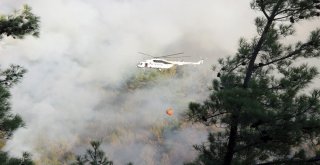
6 160
94 156
9 122
17 25
259 95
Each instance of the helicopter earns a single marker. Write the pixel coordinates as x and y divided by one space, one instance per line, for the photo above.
160 63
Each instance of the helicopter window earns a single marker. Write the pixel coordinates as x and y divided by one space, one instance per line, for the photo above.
160 61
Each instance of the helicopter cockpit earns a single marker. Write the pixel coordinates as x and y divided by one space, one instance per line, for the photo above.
142 65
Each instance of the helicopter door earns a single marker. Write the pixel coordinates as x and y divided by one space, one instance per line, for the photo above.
146 65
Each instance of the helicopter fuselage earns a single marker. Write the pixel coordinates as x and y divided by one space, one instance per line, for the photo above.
164 64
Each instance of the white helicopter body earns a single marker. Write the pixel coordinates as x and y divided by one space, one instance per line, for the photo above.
157 63
161 63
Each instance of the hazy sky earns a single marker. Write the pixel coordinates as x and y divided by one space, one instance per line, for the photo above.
86 52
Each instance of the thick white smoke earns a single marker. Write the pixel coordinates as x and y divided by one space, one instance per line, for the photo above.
74 90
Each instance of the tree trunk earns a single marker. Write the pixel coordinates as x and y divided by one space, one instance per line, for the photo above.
235 117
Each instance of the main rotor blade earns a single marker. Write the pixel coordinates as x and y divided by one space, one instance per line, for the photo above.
171 54
146 54
178 57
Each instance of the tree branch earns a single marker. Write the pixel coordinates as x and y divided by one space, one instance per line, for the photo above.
286 10
293 161
285 57
215 115
263 10
237 65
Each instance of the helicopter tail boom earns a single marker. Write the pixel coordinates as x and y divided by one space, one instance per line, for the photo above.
199 62
187 63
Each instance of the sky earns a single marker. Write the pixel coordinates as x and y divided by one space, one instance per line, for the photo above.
74 90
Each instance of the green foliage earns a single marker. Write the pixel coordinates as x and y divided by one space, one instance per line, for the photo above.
19 24
25 160
259 94
291 10
11 76
94 156
9 122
